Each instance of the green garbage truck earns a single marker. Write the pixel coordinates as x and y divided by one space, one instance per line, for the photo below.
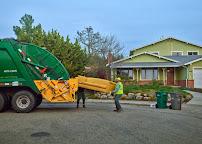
29 73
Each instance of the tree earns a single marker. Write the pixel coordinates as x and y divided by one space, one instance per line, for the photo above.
89 39
75 58
94 43
110 44
98 48
25 33
70 54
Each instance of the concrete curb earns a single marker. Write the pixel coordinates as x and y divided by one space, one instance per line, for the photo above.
131 102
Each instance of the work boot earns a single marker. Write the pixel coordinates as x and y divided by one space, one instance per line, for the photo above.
115 110
120 110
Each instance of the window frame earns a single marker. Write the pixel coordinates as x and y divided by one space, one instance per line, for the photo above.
176 52
153 69
128 69
193 52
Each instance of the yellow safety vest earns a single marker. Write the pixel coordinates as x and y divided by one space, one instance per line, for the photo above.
120 91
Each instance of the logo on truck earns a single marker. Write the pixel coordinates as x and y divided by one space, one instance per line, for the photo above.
10 71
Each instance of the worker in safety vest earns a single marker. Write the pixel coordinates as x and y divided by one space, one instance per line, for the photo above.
118 92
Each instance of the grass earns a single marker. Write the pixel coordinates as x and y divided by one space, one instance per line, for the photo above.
152 88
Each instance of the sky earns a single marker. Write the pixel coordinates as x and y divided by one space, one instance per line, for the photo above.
135 23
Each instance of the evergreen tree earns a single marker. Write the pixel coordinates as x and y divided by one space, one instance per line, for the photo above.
70 54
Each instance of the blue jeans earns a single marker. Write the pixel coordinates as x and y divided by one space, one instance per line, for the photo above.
117 97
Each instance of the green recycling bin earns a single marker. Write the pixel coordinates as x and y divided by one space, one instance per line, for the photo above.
161 98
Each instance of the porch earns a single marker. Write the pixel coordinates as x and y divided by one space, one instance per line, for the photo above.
172 76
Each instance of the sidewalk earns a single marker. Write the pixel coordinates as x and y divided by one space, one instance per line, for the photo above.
132 102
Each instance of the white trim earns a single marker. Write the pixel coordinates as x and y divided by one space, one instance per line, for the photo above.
142 54
193 51
153 52
193 61
176 51
168 66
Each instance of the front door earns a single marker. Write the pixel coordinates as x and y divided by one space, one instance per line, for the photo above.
170 76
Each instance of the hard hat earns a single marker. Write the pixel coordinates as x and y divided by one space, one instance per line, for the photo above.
118 78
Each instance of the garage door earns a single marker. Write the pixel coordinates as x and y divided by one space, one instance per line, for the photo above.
197 77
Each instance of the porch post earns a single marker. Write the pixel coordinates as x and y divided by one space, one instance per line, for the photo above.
137 70
187 76
174 76
164 82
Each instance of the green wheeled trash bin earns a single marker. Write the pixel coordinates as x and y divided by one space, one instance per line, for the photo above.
176 101
161 98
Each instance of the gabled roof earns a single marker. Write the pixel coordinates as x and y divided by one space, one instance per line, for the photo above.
169 38
185 58
162 57
177 61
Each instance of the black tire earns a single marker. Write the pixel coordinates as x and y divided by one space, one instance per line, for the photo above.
23 101
38 100
4 102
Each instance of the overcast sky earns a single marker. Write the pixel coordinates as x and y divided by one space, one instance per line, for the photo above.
134 22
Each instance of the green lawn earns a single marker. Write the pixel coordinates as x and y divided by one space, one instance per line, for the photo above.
152 88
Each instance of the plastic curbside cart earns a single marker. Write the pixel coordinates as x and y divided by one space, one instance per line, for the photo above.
176 101
161 98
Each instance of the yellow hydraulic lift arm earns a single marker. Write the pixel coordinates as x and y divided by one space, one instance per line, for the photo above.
64 91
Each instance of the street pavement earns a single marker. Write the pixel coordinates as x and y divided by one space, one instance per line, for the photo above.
98 124
197 98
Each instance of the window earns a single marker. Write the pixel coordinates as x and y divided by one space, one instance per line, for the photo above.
149 74
177 53
125 73
192 53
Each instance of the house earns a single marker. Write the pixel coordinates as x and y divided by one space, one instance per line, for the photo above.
171 61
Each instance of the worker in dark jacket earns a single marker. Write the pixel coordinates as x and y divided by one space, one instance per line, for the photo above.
118 92
81 95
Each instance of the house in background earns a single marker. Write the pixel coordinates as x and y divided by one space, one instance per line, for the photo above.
171 61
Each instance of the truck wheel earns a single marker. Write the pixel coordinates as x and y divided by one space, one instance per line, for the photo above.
4 102
38 100
23 101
